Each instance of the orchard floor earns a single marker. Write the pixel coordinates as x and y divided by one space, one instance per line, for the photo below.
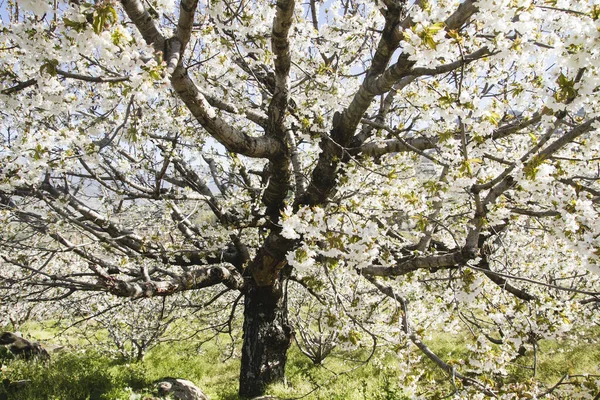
78 372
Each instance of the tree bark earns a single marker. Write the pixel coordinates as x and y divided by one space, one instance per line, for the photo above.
267 337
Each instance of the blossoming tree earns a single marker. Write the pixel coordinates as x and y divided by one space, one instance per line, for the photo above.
413 166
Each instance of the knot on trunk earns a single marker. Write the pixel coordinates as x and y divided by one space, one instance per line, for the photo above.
280 336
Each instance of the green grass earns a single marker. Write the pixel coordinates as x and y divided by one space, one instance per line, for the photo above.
340 379
570 356
74 374
206 367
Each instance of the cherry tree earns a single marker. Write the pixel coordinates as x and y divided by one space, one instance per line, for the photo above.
413 166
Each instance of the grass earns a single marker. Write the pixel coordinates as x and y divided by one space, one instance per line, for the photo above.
340 379
75 374
207 367
571 356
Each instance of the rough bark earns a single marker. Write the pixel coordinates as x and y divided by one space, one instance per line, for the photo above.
267 332
267 337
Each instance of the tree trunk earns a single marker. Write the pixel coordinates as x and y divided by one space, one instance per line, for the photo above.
267 337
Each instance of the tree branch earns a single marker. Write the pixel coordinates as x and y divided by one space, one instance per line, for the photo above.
20 86
95 79
145 24
410 264
503 283
228 136
190 280
379 148
450 370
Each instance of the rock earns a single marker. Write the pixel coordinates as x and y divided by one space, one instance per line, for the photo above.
22 347
180 389
266 398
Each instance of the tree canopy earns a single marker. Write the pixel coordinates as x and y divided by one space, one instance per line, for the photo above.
406 167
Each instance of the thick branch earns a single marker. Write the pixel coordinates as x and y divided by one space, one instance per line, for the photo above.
253 116
410 264
87 78
143 21
191 280
345 123
196 102
281 49
195 182
176 45
380 148
299 177
567 138
503 283
511 128
187 11
126 239
462 14
227 135
279 168
403 68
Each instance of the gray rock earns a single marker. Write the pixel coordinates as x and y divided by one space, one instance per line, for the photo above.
180 389
266 398
22 347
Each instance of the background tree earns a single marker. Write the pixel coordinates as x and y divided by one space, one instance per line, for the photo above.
413 165
132 328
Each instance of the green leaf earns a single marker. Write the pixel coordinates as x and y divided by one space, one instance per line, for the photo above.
446 135
533 138
429 42
305 123
38 151
493 117
435 28
77 26
566 89
447 99
104 17
427 34
432 187
97 23
117 37
532 167
466 166
49 67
